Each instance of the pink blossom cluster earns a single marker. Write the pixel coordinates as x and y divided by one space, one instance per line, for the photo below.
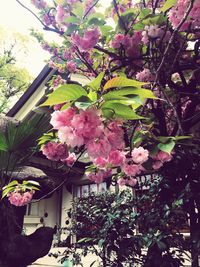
70 160
58 81
160 159
99 176
61 15
20 199
131 182
176 14
71 66
40 4
145 76
131 44
154 32
88 41
55 151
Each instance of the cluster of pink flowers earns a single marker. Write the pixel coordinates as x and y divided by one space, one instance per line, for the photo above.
145 76
153 32
58 81
70 160
176 14
160 159
55 151
131 44
99 176
40 4
20 199
88 41
61 15
131 182
71 66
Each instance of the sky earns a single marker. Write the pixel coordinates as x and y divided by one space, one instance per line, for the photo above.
14 17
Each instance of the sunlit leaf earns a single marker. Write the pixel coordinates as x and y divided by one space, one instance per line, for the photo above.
67 92
122 82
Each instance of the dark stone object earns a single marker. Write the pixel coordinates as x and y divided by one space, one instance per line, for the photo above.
24 250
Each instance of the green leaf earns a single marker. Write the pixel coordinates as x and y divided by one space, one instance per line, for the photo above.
167 147
96 83
11 184
119 110
122 82
92 95
67 92
3 142
124 93
83 102
168 4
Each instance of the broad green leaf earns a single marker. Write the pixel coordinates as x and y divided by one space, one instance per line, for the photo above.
96 83
125 93
11 184
167 147
168 4
122 82
67 92
120 111
31 182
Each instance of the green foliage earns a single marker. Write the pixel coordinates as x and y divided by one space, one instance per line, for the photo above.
22 187
168 4
67 92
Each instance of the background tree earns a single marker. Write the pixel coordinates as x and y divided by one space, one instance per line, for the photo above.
14 80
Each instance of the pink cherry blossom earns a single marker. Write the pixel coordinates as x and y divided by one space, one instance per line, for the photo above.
116 158
177 13
88 41
121 181
62 118
87 124
100 162
55 151
40 4
61 14
99 176
157 165
145 76
98 148
131 169
131 182
69 136
71 66
20 199
140 155
70 159
163 156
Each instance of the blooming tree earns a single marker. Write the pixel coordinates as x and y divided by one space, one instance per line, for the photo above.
139 112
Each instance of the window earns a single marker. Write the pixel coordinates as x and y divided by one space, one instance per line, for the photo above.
32 209
85 190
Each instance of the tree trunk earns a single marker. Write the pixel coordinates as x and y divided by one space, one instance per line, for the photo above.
11 223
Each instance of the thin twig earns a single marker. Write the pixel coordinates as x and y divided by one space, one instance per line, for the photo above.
46 28
120 18
90 9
